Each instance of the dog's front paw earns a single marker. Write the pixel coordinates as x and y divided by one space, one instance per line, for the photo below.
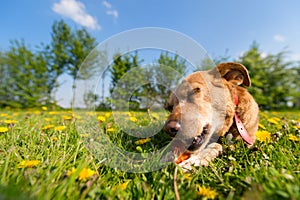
212 151
203 157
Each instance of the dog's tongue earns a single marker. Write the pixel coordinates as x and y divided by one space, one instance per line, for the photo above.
184 156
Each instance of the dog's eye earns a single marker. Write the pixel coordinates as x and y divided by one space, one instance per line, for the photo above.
194 91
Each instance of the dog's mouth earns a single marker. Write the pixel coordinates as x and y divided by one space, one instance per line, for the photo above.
181 147
199 139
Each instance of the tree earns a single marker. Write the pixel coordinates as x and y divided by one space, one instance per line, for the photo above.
89 99
147 85
46 59
273 78
25 77
163 77
295 86
29 77
70 49
125 86
4 90
170 71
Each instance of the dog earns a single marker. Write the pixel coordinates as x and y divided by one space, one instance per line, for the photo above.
208 105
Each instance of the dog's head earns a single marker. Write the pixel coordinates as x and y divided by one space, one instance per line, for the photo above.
198 105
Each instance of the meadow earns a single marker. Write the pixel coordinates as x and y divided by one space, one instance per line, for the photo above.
43 156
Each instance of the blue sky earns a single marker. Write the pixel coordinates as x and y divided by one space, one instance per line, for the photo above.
217 25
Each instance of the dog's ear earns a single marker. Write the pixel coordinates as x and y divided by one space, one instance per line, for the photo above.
235 73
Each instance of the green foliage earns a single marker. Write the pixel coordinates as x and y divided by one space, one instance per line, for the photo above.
168 74
29 77
145 86
125 86
275 82
121 65
25 77
89 99
60 46
70 49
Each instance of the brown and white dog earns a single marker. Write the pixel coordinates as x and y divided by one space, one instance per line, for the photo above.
206 106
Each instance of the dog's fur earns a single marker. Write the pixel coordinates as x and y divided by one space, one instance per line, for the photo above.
202 109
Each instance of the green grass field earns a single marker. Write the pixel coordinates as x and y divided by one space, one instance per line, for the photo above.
42 156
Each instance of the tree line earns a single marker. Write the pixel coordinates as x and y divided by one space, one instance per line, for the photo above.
29 77
275 80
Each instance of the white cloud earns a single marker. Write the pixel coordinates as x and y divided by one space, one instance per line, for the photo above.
110 10
75 10
279 38
114 13
106 4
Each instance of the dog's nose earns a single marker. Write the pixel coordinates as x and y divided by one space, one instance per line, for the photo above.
172 127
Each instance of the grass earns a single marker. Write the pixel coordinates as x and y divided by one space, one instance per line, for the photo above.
62 167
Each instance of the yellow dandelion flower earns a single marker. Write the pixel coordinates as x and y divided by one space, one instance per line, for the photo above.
60 128
188 177
277 119
4 115
28 163
108 114
53 113
293 138
47 127
142 141
155 116
296 127
85 174
71 171
124 185
101 119
3 129
121 186
67 117
206 192
261 126
133 119
47 119
274 120
37 112
44 108
110 130
10 121
263 136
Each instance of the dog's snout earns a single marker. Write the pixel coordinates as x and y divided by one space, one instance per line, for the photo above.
172 127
